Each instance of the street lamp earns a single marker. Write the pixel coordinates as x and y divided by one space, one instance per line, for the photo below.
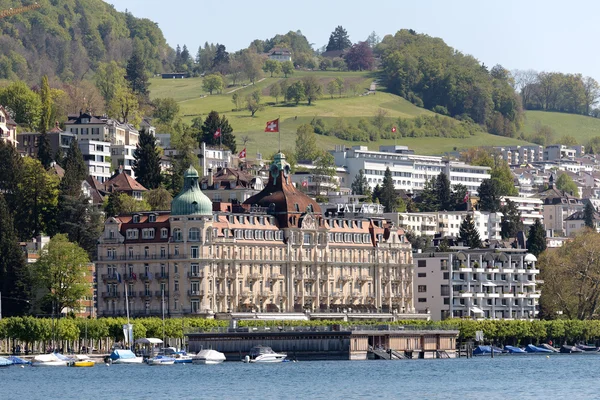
10 298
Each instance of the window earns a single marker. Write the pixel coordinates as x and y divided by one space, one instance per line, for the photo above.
164 233
422 263
422 275
422 288
307 238
148 233
136 219
177 235
446 275
422 300
152 218
176 286
194 253
444 290
194 235
132 233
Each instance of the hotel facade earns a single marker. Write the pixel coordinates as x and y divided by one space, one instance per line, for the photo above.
275 253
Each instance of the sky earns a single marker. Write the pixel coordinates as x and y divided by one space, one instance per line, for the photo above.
544 35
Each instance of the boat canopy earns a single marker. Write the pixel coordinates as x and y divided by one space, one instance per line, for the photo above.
5 362
514 350
18 361
534 349
485 350
148 341
121 354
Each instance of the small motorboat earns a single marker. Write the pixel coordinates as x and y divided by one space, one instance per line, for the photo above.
82 361
547 346
264 354
123 356
514 350
181 357
566 349
484 350
587 349
535 349
208 357
18 360
5 362
51 360
161 360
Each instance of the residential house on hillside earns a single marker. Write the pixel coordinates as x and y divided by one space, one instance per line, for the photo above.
280 54
8 128
230 185
124 183
576 222
558 205
59 139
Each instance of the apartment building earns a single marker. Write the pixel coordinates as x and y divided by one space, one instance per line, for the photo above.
8 128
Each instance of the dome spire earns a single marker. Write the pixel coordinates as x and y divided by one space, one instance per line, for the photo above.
191 200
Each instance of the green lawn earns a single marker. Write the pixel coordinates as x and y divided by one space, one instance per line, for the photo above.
194 102
579 126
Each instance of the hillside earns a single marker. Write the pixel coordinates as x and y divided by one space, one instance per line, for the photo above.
581 127
68 38
194 102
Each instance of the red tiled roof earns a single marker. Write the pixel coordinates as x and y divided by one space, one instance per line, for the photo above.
123 183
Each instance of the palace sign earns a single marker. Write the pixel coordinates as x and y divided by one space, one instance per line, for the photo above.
360 208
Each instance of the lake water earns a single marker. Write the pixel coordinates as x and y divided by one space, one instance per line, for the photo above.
506 377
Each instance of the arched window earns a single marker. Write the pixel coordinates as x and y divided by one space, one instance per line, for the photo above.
194 235
177 235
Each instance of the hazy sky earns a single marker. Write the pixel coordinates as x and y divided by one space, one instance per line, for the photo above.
545 35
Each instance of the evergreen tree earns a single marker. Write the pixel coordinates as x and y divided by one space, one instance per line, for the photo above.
469 234
429 200
360 186
376 194
211 124
443 192
588 215
186 155
14 279
59 157
339 40
388 198
536 239
146 161
80 221
44 153
511 220
458 198
11 174
489 198
46 110
136 75
75 171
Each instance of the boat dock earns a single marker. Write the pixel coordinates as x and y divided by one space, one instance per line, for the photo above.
330 342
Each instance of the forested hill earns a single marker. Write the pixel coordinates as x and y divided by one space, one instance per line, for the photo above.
68 38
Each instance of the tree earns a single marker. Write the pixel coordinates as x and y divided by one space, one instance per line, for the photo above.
571 277
287 67
46 106
360 57
146 161
166 110
588 215
324 172
429 200
273 67
186 146
503 179
44 153
312 88
469 234
325 64
332 87
459 197
296 92
388 198
536 238
373 40
109 78
212 123
158 199
338 40
62 270
125 107
252 64
212 83
489 198
253 103
75 171
24 104
80 221
275 91
14 278
511 222
221 58
121 203
566 184
135 74
443 192
306 143
360 186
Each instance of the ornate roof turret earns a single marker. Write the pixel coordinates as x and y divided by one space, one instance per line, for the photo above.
191 200
281 197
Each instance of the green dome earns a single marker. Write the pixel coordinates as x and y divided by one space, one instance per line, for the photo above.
191 200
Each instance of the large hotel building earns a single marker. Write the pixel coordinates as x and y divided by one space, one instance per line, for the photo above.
278 252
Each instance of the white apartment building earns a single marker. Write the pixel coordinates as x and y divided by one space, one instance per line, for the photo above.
521 154
531 208
410 171
558 152
447 223
122 157
96 155
8 128
490 284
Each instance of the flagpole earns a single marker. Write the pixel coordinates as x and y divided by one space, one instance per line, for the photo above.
279 131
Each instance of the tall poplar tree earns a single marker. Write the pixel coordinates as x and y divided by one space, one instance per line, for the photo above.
46 110
146 161
44 153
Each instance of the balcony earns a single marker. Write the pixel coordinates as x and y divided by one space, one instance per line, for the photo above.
110 278
144 277
162 276
507 295
305 276
266 294
129 277
145 294
277 277
111 295
337 294
246 294
159 293
534 295
346 278
194 293
466 294
356 294
194 274
129 294
365 278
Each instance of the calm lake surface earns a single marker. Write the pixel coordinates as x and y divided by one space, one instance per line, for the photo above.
506 377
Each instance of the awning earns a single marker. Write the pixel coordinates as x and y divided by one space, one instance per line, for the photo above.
476 310
489 284
148 341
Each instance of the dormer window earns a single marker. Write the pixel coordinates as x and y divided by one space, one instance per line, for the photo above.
152 218
136 219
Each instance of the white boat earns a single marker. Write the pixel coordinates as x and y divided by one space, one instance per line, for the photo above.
120 356
264 354
161 360
208 357
181 357
50 360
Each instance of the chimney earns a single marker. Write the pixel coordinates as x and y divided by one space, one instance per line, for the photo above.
210 178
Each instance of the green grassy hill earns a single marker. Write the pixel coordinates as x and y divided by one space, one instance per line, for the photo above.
580 127
194 102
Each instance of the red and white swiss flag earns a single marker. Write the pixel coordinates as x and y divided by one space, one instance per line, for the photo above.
393 129
305 183
242 153
272 126
217 133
